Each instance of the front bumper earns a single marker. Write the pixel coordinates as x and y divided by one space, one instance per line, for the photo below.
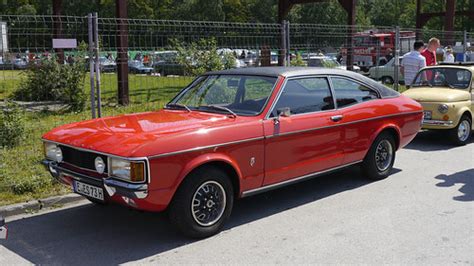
437 124
111 186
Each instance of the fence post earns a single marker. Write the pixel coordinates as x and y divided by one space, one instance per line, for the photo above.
288 52
464 59
283 49
97 63
396 69
91 62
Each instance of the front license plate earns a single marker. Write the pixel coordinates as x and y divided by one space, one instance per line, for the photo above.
426 115
88 190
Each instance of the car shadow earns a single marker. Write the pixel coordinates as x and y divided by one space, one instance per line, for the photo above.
432 140
466 178
98 235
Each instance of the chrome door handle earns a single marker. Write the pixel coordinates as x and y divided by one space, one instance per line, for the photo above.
336 118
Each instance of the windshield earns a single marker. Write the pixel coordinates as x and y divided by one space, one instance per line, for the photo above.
456 78
243 95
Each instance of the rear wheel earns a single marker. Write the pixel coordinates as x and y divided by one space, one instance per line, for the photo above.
378 162
203 203
461 133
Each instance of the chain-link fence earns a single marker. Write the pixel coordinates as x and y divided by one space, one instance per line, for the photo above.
144 63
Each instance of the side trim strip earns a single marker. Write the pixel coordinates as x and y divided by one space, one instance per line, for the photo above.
294 180
341 124
205 147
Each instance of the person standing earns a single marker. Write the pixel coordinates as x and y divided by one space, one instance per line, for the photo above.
449 57
430 52
412 62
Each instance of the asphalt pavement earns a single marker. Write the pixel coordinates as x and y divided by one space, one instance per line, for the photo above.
422 214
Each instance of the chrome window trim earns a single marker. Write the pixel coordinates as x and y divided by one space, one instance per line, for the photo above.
143 159
267 116
266 188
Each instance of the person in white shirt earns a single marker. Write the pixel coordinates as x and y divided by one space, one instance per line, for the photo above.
449 57
412 62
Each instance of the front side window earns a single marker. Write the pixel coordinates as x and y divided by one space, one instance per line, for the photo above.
243 95
348 92
305 95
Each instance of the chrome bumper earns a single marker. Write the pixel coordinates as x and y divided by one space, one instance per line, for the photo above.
437 123
112 186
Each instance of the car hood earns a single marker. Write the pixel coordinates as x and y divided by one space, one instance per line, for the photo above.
428 94
141 135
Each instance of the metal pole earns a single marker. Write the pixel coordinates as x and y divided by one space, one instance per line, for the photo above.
283 43
464 59
91 63
288 52
97 63
396 69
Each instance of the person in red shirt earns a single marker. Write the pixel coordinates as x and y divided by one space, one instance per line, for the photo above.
430 52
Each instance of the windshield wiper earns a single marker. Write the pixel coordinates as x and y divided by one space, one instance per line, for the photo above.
221 108
182 106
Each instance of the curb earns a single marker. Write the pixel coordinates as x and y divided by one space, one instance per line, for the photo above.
37 205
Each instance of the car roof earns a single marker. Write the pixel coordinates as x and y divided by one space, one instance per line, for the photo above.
289 72
454 65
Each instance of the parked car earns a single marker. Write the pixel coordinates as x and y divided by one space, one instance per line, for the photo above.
329 62
137 67
3 228
107 65
446 93
232 134
20 63
165 63
386 72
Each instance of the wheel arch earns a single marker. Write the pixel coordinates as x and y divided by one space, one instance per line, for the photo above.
392 130
219 161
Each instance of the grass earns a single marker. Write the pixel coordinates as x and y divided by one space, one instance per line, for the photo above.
22 177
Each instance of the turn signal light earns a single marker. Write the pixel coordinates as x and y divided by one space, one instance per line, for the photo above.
137 172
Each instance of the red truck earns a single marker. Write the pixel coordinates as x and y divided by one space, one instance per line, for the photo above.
372 48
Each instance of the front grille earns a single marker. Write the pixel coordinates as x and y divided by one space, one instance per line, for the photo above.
82 159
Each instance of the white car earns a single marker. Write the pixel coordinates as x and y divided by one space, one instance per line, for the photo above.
328 62
386 72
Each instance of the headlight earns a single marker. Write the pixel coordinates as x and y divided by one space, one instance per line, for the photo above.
99 165
53 152
443 108
131 171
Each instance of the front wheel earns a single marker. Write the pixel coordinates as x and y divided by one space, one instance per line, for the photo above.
203 203
461 133
378 162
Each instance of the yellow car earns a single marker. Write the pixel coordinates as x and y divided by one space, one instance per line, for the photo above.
446 93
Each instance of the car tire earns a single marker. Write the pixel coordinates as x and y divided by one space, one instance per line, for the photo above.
387 80
202 203
378 162
462 132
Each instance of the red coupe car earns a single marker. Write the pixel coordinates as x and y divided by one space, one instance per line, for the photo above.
232 134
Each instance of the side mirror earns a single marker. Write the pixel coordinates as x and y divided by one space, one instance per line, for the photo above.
2 221
284 112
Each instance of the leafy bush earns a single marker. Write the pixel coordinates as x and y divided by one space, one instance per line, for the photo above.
297 61
202 56
51 81
11 126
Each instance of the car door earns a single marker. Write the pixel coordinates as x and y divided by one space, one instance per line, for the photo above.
305 140
357 116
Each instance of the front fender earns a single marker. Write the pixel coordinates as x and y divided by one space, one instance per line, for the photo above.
205 159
